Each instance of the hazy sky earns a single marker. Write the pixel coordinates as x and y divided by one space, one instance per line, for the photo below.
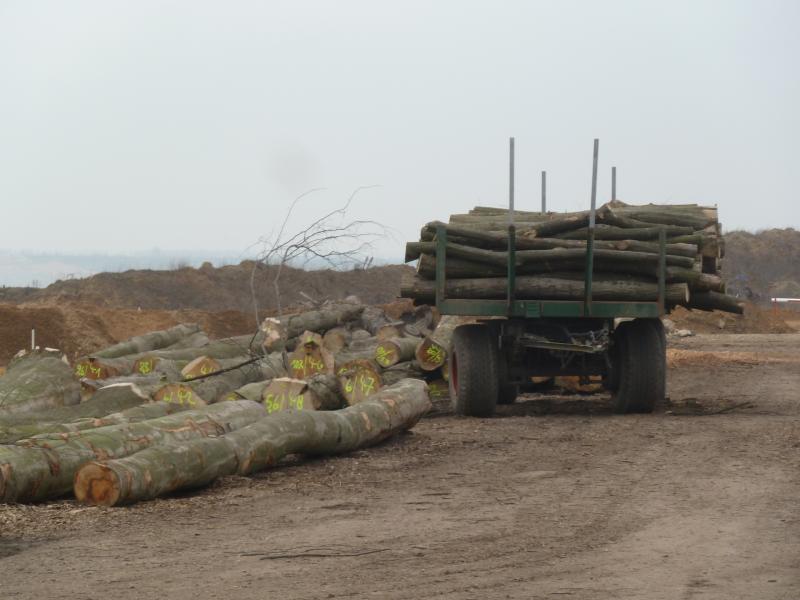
191 125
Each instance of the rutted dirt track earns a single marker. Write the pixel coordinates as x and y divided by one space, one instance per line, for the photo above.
555 498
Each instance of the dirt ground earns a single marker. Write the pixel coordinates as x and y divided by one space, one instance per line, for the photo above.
554 498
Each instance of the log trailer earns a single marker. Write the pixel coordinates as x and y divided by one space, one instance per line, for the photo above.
515 340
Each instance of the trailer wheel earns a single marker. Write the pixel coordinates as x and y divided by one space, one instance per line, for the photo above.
506 392
639 366
473 371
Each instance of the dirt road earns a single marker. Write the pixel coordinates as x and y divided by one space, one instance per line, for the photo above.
555 498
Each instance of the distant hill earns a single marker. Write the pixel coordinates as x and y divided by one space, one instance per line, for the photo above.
214 288
763 264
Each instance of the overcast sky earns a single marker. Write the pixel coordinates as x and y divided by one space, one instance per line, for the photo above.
191 125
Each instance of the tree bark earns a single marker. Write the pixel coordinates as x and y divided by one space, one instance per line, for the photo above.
318 321
162 470
359 379
44 467
150 341
37 381
709 301
546 288
335 339
432 352
399 349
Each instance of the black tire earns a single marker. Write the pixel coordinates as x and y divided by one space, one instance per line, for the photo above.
506 392
473 371
639 367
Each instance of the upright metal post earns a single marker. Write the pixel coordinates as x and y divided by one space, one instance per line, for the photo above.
613 183
544 192
512 242
590 236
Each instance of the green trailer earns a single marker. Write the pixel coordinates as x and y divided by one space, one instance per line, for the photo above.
516 340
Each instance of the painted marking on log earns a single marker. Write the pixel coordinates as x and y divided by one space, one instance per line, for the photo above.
434 354
145 366
384 356
276 402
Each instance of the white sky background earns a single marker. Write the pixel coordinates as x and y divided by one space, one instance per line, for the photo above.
192 125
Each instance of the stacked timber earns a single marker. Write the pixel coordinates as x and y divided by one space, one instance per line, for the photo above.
550 256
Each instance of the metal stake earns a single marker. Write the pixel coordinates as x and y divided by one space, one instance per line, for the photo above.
590 236
544 192
613 183
512 243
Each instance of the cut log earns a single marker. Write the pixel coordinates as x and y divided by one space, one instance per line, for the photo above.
545 288
500 242
439 390
251 391
202 365
317 321
310 357
217 387
709 301
179 394
320 392
44 467
165 469
285 393
359 379
373 318
37 381
389 331
127 397
404 370
149 341
335 339
399 349
103 368
432 352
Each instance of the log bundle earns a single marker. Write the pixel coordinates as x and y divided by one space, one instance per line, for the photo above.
171 387
550 256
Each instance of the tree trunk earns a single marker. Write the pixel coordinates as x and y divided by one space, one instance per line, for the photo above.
335 339
37 381
403 370
432 352
162 470
126 399
399 349
318 321
608 232
359 379
45 467
148 342
494 241
215 388
545 288
714 301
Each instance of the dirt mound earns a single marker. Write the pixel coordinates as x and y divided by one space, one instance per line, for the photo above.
79 329
754 320
216 289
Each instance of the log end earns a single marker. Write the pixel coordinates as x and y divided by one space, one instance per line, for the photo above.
97 484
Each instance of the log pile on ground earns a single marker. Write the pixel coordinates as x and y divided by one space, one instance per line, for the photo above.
551 256
168 389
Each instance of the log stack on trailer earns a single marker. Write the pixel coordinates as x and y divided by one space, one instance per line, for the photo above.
550 256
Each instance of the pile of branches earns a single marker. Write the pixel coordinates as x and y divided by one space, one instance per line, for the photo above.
172 409
551 255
